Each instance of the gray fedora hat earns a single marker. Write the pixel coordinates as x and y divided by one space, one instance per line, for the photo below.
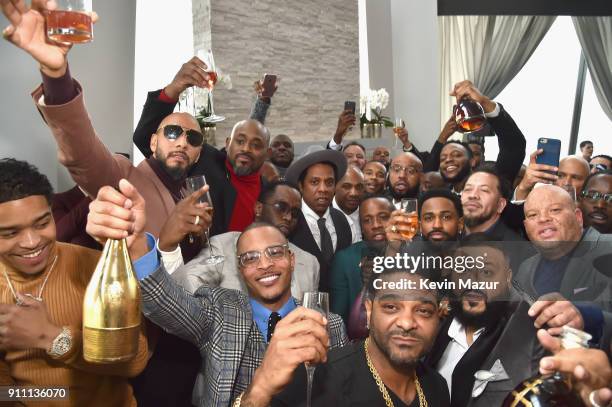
332 157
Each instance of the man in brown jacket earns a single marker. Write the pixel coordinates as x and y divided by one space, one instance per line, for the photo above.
176 146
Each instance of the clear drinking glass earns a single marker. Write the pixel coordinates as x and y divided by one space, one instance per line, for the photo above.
410 206
398 126
70 21
319 302
209 60
193 184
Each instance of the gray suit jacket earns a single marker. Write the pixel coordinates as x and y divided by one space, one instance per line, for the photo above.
584 279
220 323
195 273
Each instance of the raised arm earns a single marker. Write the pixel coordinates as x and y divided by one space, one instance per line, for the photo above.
60 99
511 140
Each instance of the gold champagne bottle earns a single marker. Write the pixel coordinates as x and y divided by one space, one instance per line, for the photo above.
111 309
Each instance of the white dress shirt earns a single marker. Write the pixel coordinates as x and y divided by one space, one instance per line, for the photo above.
312 218
353 220
455 350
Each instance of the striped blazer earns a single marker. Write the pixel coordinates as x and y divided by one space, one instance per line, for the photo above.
220 323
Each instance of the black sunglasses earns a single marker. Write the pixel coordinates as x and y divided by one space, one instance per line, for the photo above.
599 167
595 196
174 131
283 208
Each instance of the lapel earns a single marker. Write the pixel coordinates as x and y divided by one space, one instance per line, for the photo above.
343 229
442 340
236 345
463 374
302 238
518 360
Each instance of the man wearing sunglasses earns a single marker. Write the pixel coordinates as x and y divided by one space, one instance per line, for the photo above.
174 146
279 204
596 201
231 330
600 162
232 173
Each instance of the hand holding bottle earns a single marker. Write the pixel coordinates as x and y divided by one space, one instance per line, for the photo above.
119 214
589 368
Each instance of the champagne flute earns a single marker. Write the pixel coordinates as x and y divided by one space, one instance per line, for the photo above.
192 184
209 60
398 126
410 206
319 302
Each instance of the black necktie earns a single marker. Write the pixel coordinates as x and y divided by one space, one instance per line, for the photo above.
272 321
327 247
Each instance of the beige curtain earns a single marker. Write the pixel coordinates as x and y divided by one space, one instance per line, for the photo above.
595 35
488 50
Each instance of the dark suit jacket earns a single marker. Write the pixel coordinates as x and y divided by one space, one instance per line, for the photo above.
345 279
302 238
518 358
211 163
586 279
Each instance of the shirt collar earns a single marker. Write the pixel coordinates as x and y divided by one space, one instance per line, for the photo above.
310 214
456 331
261 314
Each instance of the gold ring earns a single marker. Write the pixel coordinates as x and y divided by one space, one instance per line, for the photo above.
394 229
197 220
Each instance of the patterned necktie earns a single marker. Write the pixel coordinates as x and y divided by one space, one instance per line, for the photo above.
272 321
327 247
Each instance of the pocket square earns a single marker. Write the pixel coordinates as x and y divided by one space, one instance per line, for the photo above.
483 377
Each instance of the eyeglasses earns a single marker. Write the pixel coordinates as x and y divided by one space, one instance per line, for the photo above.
396 168
274 253
284 208
595 196
174 131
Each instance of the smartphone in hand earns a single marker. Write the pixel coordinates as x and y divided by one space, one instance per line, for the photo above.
349 105
269 85
551 153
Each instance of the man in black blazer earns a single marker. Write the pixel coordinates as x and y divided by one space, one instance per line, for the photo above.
247 147
321 229
484 200
481 332
455 159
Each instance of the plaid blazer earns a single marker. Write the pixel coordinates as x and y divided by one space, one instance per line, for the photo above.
220 323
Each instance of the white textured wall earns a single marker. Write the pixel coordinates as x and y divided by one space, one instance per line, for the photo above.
312 45
104 67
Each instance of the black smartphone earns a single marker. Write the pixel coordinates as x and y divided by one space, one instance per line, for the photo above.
349 105
269 82
551 153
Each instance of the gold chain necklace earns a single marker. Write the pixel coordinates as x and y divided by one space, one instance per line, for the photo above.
383 388
40 290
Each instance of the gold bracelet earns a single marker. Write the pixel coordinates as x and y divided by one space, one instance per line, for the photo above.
238 400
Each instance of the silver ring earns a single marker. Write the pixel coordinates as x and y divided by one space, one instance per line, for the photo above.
592 399
394 229
197 220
